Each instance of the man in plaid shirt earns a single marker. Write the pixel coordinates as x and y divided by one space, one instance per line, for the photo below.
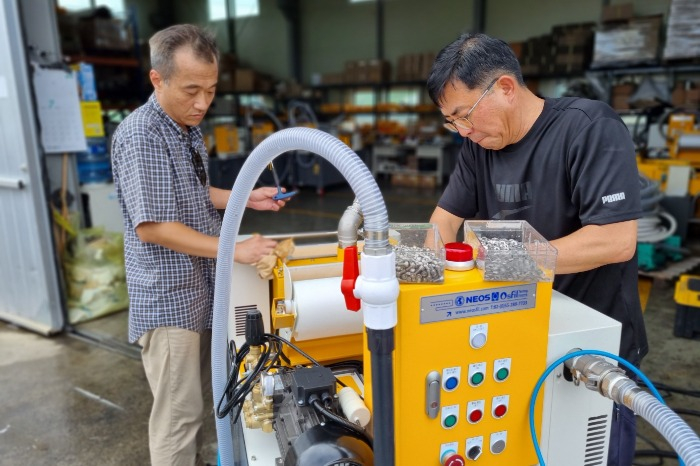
172 236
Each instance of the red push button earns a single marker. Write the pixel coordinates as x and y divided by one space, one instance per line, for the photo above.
475 416
500 411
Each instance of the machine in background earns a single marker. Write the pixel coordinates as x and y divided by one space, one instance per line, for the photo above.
669 163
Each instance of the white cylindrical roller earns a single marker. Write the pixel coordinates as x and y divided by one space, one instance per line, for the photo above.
321 311
353 407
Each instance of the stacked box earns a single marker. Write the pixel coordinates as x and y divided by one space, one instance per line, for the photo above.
633 43
538 56
227 73
414 66
683 31
573 44
378 71
617 13
686 94
621 94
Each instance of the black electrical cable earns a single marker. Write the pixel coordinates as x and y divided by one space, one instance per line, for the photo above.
654 447
294 347
680 391
658 453
236 390
687 412
331 416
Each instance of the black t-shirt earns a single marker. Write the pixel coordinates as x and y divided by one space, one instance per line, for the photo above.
575 167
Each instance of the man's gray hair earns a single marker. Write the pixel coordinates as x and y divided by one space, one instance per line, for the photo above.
165 43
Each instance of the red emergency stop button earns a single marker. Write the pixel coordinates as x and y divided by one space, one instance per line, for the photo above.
453 459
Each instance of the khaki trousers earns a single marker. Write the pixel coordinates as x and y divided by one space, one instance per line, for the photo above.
178 368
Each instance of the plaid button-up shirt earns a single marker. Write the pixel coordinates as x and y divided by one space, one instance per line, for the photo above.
156 181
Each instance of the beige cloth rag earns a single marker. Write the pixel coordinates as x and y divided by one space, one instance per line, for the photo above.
282 250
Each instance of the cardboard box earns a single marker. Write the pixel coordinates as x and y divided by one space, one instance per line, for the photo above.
616 13
378 71
427 61
245 80
227 81
683 31
634 43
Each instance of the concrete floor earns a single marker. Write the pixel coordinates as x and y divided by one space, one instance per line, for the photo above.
71 400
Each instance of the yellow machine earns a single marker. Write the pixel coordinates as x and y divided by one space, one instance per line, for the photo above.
683 143
457 364
468 352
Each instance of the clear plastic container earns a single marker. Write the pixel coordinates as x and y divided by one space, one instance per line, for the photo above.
509 250
420 253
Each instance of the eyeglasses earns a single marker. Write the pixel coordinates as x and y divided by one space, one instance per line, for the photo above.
198 166
456 124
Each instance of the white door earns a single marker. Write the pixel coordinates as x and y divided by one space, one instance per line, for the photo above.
29 285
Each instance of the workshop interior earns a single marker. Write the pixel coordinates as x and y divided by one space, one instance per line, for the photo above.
367 340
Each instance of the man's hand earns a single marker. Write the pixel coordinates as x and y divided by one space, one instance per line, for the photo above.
254 248
261 199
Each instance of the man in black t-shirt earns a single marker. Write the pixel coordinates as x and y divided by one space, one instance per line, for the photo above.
567 166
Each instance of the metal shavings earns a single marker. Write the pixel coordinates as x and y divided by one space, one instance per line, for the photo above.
417 265
515 264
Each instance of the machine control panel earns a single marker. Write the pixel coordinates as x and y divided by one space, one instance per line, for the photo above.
479 362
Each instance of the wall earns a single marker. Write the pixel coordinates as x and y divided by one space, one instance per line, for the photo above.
262 42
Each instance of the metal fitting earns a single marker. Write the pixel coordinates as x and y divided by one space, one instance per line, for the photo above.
596 373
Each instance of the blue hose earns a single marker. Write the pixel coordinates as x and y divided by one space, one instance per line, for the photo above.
574 354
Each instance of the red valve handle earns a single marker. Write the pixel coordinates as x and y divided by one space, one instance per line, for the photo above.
351 270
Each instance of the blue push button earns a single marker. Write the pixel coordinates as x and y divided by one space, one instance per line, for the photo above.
451 383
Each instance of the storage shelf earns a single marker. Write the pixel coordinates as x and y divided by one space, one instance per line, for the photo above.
127 62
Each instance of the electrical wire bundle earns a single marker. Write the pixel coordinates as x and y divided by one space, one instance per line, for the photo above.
271 345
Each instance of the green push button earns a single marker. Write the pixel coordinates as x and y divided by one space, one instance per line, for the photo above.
502 374
477 378
450 421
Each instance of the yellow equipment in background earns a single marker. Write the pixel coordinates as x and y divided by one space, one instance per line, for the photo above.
683 143
687 297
